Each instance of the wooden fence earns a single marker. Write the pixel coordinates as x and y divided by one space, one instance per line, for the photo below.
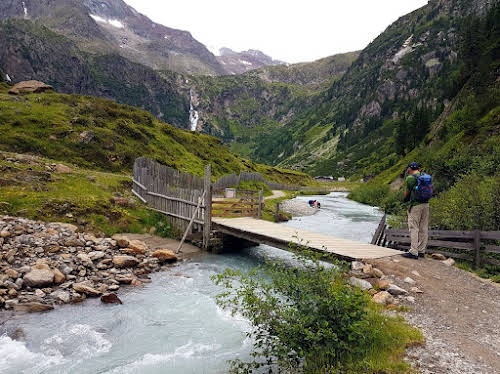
175 194
246 204
468 245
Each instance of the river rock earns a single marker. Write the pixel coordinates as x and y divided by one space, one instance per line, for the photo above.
86 289
395 290
137 247
59 277
357 265
32 307
377 273
367 269
383 284
409 280
62 296
96 255
39 278
164 255
383 298
4 233
85 259
110 298
122 241
449 262
416 290
11 273
361 283
438 256
125 261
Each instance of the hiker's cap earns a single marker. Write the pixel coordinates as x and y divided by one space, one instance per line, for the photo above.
414 166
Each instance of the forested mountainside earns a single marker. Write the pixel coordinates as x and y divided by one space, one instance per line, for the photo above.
100 134
411 74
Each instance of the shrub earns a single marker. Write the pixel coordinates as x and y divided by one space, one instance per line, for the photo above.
305 318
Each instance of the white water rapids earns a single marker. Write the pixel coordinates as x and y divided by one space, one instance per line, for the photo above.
171 326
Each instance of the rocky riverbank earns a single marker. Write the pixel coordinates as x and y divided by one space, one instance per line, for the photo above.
297 208
44 264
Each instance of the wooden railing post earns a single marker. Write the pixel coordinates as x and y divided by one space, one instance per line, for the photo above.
207 224
477 249
261 201
277 212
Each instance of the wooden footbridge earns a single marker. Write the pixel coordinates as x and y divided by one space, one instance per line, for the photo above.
195 204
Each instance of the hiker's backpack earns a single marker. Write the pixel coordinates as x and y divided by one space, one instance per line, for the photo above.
424 189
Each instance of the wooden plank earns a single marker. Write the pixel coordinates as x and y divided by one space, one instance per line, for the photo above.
140 197
222 202
378 232
434 243
207 221
477 248
490 235
175 215
259 208
178 199
492 248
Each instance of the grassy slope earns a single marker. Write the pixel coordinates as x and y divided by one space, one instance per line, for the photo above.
50 125
82 197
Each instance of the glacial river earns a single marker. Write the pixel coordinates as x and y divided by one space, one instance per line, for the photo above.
171 325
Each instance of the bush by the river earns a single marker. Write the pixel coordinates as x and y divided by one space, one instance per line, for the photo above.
306 318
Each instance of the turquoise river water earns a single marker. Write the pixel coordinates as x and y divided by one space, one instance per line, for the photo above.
171 325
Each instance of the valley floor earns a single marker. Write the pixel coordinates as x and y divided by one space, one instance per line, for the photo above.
457 313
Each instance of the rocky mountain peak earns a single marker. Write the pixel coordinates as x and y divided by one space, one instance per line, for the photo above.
241 62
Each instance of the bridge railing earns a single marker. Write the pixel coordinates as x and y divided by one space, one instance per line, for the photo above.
245 203
469 245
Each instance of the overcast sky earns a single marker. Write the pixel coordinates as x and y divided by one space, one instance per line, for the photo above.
288 30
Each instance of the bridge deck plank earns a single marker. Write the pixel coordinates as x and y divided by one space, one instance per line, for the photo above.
268 232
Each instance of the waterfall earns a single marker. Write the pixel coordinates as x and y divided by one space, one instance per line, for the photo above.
193 114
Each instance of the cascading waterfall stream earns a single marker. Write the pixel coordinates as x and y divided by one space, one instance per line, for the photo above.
193 114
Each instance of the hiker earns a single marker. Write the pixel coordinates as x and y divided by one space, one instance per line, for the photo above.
312 203
418 192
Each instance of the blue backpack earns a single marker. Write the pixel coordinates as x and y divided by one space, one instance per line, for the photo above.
424 189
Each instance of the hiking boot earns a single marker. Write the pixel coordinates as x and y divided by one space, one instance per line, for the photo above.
409 255
421 254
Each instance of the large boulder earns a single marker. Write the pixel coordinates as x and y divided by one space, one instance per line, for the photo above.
125 261
29 87
39 278
164 255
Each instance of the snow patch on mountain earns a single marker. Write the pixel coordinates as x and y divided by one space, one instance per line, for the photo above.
112 22
25 9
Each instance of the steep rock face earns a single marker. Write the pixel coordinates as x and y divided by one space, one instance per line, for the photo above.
102 26
241 62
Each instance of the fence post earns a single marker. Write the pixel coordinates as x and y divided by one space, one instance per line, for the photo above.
259 209
477 249
207 225
277 212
